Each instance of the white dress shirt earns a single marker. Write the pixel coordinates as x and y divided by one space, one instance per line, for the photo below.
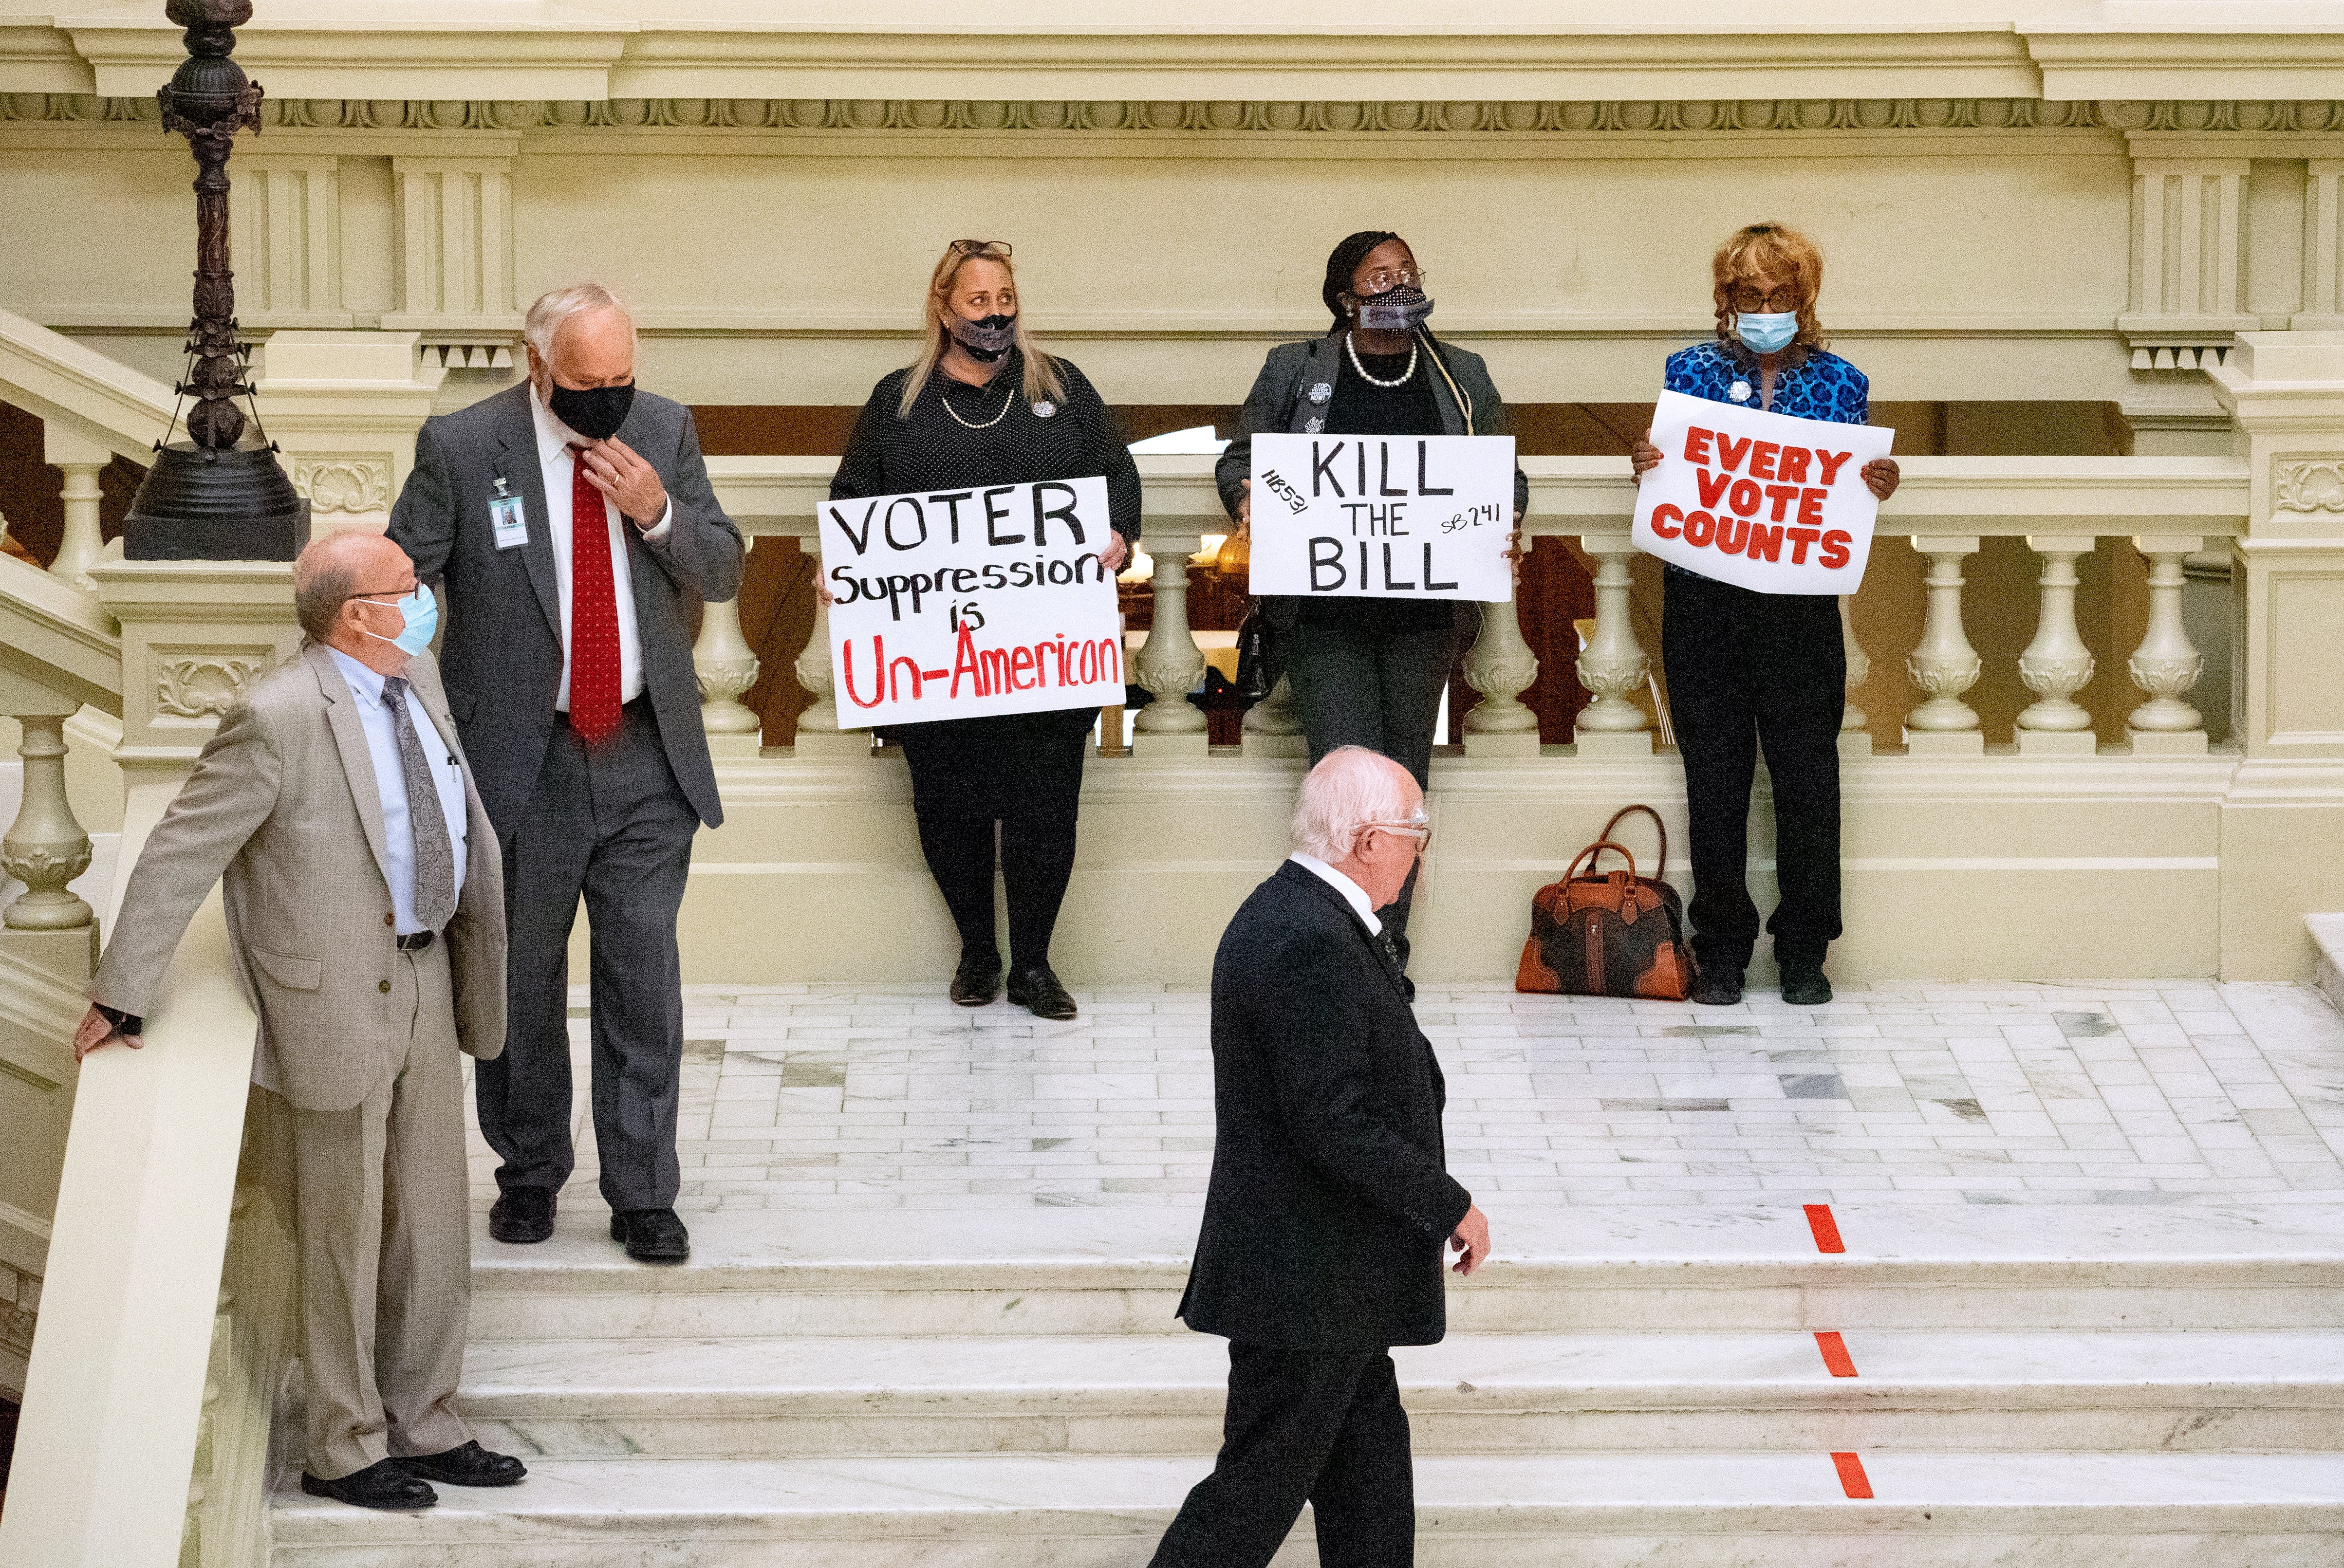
1353 894
390 784
554 440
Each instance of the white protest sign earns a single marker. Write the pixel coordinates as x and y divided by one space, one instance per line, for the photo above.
968 602
1383 517
1761 500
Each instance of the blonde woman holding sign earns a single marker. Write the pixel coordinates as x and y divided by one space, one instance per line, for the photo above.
1368 671
1748 670
982 407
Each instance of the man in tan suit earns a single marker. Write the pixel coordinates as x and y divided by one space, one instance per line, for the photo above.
366 911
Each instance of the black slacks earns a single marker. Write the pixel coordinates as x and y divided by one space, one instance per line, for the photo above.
1751 671
609 822
1324 1427
1379 690
1025 771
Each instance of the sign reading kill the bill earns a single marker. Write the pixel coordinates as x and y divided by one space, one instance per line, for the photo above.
1383 517
969 602
1761 500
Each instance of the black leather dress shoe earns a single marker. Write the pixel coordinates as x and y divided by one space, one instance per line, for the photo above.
469 1465
652 1235
1037 990
977 980
383 1485
523 1214
1719 987
1803 985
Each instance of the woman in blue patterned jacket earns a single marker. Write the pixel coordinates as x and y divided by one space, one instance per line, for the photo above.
1748 670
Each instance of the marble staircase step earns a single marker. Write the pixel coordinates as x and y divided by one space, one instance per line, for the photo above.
781 1397
2271 1267
1591 1510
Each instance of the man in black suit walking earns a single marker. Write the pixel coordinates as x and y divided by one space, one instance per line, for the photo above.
1329 1202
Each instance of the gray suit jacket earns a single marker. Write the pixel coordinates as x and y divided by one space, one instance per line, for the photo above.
284 811
1277 403
503 657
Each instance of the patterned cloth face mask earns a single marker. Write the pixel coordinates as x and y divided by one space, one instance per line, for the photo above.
988 337
1402 309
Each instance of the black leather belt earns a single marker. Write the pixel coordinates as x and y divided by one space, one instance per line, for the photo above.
416 942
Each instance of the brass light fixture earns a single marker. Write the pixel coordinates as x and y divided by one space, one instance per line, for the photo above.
219 495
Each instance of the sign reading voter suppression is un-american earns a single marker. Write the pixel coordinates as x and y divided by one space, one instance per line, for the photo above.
1761 500
1383 517
968 602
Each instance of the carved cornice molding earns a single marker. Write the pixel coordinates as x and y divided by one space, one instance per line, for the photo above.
1404 117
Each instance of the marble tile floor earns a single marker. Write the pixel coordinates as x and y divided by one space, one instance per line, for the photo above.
842 1097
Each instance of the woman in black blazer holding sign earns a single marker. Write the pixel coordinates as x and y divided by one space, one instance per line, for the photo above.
1368 671
983 406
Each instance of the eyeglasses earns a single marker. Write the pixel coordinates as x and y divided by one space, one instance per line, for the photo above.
1384 279
380 593
977 248
1418 827
1784 296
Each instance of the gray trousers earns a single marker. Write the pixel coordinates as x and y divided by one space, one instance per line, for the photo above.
1382 692
382 1233
610 824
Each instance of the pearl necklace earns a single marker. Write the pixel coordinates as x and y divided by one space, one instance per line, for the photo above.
1353 350
943 397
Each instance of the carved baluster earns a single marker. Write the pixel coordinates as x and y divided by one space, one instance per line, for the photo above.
1855 728
727 666
1169 663
1500 667
1612 666
1944 665
819 734
46 849
2167 664
2057 664
1272 727
79 546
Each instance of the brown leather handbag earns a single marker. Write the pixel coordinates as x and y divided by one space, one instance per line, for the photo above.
1613 933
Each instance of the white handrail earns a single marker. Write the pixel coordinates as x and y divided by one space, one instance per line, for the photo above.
48 374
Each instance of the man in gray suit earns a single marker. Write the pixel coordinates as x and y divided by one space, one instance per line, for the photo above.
572 522
365 914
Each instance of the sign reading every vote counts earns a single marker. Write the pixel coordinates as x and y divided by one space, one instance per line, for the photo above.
968 602
1761 500
1383 517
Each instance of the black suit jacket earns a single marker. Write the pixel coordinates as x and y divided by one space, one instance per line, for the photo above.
1329 1202
501 652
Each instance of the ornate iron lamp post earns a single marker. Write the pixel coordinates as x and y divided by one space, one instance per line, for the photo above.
217 495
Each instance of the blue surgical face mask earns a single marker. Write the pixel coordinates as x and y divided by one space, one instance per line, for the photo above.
422 613
1767 333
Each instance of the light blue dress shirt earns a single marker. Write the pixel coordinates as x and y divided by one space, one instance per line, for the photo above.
390 785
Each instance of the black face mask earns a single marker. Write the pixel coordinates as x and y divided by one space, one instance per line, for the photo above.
988 337
594 412
1402 309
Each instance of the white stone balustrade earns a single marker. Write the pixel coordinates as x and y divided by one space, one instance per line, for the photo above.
46 848
2165 665
1272 727
1944 665
1500 667
1169 663
727 666
2056 665
80 544
1612 666
1854 727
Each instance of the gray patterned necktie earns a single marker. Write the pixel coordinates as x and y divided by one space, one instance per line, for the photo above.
435 859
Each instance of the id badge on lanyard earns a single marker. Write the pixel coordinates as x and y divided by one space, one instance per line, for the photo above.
508 517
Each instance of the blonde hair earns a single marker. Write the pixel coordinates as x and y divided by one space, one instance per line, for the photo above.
1773 248
1041 377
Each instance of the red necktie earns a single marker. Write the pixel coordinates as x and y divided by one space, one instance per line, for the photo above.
593 613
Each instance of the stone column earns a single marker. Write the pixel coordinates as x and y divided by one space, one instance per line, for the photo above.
80 546
1855 728
46 848
1170 662
2056 665
1612 666
1272 727
1944 665
1500 667
2166 666
819 735
727 666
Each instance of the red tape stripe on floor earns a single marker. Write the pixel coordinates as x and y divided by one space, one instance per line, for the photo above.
1852 1478
1826 1229
1836 1359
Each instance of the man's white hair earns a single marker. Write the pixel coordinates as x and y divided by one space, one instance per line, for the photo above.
1351 790
546 316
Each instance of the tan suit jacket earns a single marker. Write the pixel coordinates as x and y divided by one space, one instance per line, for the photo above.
283 808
